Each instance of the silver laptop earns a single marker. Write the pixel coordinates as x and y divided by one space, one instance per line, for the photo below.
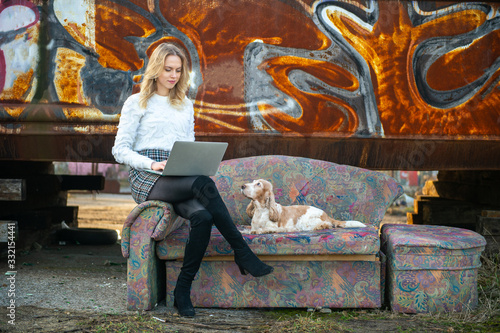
197 158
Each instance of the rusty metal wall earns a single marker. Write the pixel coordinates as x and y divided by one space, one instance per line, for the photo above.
353 74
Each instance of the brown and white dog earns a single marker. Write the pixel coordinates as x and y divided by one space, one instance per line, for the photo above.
269 216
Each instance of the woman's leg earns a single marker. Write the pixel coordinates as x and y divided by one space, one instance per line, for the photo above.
207 194
199 236
177 190
173 189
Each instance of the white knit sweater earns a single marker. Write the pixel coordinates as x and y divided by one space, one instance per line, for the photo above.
156 127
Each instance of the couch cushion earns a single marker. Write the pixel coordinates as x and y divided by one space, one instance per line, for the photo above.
431 268
344 192
416 247
336 241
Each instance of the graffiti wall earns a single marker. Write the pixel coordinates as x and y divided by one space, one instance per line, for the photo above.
377 69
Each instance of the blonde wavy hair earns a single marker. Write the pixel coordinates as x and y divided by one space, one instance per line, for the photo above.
156 64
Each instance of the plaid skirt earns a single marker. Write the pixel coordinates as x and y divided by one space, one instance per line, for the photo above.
141 182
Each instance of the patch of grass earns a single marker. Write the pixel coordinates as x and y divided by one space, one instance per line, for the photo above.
125 324
298 322
484 318
487 314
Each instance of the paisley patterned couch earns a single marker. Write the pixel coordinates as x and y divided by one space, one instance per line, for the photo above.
340 268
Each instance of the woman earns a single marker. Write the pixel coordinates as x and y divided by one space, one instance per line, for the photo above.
150 123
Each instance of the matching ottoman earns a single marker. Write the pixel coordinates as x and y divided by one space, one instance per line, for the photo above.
431 268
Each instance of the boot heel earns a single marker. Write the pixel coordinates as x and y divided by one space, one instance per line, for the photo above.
242 270
247 261
186 308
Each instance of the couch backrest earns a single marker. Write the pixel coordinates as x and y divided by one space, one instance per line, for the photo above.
344 192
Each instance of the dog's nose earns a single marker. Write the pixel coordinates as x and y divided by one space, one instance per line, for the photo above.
243 187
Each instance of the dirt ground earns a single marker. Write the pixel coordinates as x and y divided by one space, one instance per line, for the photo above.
79 288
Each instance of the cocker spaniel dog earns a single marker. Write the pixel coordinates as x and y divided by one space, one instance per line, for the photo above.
269 216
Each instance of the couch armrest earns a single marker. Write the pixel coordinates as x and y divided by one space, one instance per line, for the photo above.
147 223
153 217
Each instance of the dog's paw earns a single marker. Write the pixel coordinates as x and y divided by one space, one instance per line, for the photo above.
354 224
245 229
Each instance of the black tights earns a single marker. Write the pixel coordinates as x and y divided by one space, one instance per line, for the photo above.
177 191
197 199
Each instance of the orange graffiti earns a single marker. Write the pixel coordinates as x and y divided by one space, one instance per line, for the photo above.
221 47
341 117
113 24
389 51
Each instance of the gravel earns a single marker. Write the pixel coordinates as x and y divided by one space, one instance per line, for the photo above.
69 277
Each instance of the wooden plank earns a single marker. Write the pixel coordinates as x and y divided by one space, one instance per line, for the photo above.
429 189
471 177
41 191
312 257
77 182
488 226
418 203
12 189
492 245
490 213
13 169
43 218
441 211
6 228
482 194
46 190
413 218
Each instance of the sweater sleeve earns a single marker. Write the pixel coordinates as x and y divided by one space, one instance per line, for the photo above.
191 126
126 135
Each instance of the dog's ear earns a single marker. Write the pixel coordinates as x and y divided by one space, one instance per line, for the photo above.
273 213
250 209
273 208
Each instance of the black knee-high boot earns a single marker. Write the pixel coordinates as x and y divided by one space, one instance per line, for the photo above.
207 194
199 237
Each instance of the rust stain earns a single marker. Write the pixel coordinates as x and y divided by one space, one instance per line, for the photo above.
78 32
67 82
13 111
113 24
88 114
86 129
31 34
10 130
21 86
167 39
82 31
38 2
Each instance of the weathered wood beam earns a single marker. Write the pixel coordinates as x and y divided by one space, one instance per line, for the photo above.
12 189
374 153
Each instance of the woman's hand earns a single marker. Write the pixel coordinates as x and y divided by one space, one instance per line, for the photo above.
158 166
